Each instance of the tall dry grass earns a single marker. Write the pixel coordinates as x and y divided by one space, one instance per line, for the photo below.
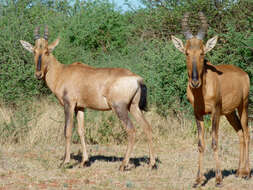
37 121
41 121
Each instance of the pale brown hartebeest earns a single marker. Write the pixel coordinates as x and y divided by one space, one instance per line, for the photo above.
216 90
78 86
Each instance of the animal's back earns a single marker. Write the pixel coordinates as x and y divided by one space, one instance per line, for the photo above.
115 72
91 86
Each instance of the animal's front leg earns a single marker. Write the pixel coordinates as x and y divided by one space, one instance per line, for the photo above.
69 114
201 147
215 130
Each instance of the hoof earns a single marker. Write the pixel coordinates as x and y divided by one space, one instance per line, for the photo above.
246 177
218 181
65 165
124 168
219 185
84 164
195 185
243 173
154 167
199 181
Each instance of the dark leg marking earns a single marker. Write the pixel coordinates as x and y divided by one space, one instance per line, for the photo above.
199 144
66 109
122 113
199 127
214 122
214 145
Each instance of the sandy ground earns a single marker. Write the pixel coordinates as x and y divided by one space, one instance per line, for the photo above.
37 167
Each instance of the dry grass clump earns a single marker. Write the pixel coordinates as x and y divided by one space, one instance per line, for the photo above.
5 114
38 121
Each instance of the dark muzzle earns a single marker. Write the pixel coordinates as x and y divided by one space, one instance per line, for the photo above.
39 63
195 76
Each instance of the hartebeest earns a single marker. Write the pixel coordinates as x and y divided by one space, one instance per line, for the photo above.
216 90
78 86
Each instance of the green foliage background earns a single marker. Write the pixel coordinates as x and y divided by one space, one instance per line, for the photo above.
98 34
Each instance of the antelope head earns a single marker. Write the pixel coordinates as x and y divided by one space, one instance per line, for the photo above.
41 51
194 49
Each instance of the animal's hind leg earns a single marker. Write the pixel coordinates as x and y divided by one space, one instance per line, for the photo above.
80 130
243 113
236 124
138 115
122 112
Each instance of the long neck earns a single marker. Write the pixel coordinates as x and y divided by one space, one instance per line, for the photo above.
54 69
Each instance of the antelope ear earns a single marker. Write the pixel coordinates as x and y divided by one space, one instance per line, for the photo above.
27 46
210 44
53 45
178 44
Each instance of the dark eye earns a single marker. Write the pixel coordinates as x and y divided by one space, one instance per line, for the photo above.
202 54
186 53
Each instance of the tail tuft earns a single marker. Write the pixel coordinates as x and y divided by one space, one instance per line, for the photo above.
143 98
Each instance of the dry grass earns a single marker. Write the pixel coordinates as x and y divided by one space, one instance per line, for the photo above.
32 162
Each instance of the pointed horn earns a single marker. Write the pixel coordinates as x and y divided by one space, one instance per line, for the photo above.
186 30
203 28
46 33
36 33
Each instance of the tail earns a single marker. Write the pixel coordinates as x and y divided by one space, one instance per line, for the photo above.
143 99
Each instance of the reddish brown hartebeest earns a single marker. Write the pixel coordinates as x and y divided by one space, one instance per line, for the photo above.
216 90
78 86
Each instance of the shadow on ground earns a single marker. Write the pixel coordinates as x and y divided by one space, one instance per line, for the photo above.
225 173
135 161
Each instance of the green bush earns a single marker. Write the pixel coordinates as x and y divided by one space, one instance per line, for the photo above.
97 25
17 22
96 33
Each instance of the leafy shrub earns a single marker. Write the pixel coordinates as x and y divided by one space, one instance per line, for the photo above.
17 22
98 25
97 34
